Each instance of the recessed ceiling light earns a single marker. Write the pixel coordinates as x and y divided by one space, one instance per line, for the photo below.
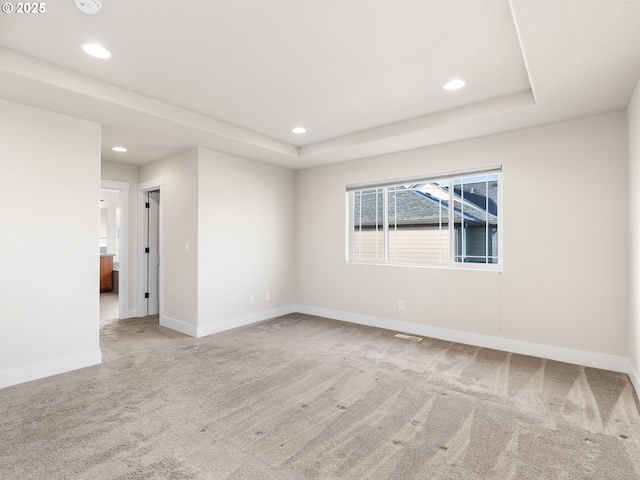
454 84
299 130
119 149
97 50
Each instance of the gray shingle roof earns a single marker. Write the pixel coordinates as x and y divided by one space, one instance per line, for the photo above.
412 207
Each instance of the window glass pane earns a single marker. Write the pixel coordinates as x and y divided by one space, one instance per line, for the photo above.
476 219
368 224
492 218
459 234
418 224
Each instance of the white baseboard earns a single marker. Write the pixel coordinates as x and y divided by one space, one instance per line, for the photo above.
579 357
228 324
179 326
243 321
49 368
634 377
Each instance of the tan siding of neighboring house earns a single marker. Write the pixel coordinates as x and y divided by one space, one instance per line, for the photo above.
368 245
424 246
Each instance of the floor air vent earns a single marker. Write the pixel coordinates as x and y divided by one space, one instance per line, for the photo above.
408 337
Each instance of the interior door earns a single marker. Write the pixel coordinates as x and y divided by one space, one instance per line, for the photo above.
153 255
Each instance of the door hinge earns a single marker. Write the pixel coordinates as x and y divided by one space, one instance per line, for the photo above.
146 250
147 205
146 295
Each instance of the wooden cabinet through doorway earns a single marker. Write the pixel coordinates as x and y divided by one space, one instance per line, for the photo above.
106 273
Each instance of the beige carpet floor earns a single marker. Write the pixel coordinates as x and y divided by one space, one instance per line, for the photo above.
302 397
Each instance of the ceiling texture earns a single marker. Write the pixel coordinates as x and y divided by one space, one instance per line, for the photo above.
364 77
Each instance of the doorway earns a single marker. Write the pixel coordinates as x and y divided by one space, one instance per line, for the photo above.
150 244
114 251
152 251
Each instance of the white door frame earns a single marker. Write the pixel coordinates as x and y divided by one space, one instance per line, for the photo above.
143 188
152 217
124 273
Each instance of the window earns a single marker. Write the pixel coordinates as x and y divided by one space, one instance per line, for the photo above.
446 220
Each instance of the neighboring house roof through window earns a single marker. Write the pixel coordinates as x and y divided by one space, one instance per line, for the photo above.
417 206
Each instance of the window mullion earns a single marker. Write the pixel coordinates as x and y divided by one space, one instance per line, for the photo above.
439 230
360 228
352 226
452 239
486 223
385 222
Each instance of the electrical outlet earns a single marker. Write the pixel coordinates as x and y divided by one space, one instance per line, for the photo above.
252 299
267 296
400 304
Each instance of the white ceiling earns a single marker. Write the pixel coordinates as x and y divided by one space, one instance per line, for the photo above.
363 76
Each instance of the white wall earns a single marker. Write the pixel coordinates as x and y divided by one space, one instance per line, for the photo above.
246 215
49 287
565 240
179 222
633 113
238 217
129 174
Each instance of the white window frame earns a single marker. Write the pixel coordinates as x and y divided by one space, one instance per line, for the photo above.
449 177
